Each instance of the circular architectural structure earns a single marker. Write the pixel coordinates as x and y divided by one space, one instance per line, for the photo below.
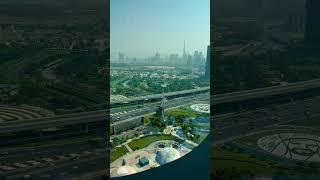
125 170
162 145
202 108
292 145
167 155
175 145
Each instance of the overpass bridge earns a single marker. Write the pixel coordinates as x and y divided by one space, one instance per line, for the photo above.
266 92
87 118
101 116
168 95
55 121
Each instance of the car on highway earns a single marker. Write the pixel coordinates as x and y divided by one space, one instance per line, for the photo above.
3 153
47 159
20 165
74 156
7 168
33 162
60 157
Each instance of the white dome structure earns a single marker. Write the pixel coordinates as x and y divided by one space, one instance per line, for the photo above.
125 170
167 155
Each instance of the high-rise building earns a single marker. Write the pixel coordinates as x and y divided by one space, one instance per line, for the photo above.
176 57
201 58
173 58
189 60
121 57
295 22
184 55
196 58
157 58
208 63
312 30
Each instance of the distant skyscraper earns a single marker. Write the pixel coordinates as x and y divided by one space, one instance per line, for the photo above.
189 60
121 57
208 63
173 58
201 58
157 57
184 55
176 57
312 31
196 58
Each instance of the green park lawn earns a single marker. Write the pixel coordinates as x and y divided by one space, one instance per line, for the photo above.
117 153
145 141
232 161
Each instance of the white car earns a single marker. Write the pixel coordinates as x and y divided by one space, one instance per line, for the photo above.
47 159
20 165
61 157
7 168
33 162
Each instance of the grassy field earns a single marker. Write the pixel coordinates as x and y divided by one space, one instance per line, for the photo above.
232 162
181 112
202 137
145 141
186 112
117 152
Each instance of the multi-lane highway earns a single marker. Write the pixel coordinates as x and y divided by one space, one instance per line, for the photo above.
266 92
226 127
152 107
46 162
92 116
159 96
149 107
101 115
235 125
67 159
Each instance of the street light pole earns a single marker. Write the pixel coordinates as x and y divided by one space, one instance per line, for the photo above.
163 102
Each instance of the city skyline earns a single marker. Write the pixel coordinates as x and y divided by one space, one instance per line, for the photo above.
141 29
115 55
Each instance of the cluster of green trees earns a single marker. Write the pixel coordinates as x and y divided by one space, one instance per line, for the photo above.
234 73
117 141
239 73
38 94
296 64
84 69
144 85
157 121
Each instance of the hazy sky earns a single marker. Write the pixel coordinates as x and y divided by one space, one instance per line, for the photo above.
140 28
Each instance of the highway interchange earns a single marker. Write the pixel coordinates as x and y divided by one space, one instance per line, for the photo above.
44 161
232 126
68 159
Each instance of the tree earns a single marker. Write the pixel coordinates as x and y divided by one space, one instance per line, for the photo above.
157 122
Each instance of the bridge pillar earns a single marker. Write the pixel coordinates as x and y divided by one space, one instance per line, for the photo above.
114 129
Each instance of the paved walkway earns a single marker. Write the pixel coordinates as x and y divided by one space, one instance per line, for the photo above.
128 148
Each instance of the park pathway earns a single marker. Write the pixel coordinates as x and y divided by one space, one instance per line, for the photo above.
128 148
